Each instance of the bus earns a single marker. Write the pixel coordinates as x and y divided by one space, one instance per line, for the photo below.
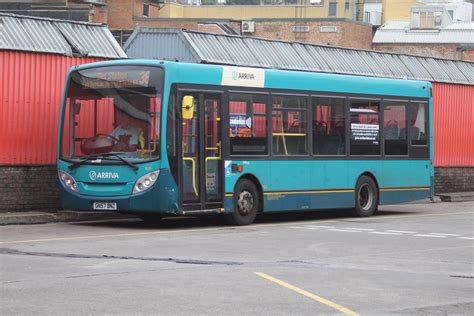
158 138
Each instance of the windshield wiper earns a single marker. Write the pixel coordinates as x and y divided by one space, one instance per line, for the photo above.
128 163
98 156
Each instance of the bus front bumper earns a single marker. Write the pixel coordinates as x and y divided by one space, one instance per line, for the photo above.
161 198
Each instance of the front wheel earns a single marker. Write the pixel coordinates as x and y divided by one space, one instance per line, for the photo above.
366 197
245 203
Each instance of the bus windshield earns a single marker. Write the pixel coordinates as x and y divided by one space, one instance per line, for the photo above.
110 111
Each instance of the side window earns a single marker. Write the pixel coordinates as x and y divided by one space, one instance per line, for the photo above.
364 127
289 125
248 124
395 129
329 128
417 124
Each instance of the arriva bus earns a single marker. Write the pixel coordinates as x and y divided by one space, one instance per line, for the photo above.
157 138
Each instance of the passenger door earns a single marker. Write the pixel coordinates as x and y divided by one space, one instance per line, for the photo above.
201 182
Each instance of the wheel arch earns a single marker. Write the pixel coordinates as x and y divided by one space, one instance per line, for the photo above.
257 183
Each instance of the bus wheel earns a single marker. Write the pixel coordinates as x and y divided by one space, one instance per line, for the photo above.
366 197
245 203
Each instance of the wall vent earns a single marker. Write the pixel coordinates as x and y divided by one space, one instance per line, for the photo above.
328 29
301 28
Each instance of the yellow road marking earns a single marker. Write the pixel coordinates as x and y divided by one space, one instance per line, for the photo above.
218 228
308 294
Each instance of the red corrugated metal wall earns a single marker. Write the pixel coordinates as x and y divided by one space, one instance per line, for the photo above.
453 124
31 87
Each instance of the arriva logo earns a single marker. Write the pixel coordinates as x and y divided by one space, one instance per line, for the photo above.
242 75
103 175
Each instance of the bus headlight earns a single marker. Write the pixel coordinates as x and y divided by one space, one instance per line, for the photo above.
68 181
145 182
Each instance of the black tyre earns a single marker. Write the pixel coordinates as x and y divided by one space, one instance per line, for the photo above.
366 197
246 203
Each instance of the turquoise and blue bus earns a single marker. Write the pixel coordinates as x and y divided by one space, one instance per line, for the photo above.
157 138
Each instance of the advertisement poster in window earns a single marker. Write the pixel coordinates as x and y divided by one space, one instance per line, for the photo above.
364 134
240 125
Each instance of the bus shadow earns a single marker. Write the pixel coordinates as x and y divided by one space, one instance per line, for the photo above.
173 223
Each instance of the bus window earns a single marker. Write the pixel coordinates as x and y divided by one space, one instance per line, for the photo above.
417 121
394 129
329 128
289 125
365 135
248 124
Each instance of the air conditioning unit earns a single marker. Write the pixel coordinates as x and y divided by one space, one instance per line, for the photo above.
248 27
315 1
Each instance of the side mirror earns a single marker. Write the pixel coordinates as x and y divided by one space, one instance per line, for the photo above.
187 107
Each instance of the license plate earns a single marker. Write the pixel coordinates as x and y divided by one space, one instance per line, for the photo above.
110 206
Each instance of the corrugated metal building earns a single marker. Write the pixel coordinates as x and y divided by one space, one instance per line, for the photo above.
35 56
453 81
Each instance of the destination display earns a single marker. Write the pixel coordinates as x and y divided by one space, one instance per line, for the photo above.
116 79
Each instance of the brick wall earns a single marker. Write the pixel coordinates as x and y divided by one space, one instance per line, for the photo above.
454 179
98 14
120 14
450 51
348 33
25 188
468 55
210 28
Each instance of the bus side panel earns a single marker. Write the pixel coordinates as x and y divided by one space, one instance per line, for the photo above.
329 179
289 180
404 181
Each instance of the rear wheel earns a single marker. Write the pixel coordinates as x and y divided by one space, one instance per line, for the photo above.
245 203
366 197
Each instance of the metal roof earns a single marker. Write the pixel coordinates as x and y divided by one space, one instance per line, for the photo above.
68 38
400 32
198 47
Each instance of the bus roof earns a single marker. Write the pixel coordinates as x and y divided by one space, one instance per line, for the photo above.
190 73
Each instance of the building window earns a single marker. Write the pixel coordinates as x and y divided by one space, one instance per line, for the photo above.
364 127
146 10
332 8
329 127
289 126
426 20
347 5
395 129
248 124
451 14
